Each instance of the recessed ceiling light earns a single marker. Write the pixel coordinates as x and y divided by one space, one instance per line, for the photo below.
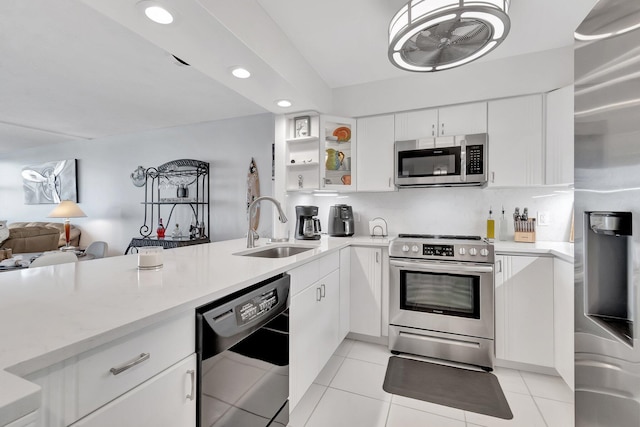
241 73
284 103
158 14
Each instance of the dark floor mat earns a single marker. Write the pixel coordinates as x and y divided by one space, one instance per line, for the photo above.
459 388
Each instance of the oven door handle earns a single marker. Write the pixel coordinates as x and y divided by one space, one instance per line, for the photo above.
449 267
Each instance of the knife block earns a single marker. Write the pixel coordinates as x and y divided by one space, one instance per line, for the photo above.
525 231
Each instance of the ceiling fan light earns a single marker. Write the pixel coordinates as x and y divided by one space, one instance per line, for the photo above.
398 45
406 65
498 25
399 20
434 35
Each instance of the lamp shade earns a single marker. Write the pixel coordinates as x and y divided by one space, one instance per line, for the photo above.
66 209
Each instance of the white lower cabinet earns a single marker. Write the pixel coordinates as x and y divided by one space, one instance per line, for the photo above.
524 310
168 399
29 420
345 285
94 382
563 286
314 326
366 290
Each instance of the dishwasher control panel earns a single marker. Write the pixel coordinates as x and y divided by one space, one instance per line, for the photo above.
256 307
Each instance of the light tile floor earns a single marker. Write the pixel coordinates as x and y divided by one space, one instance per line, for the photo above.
348 393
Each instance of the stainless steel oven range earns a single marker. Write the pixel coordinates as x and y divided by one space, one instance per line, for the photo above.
441 298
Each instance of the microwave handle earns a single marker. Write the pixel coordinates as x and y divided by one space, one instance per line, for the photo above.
426 266
463 160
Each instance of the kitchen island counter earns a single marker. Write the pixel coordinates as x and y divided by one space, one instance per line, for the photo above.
49 314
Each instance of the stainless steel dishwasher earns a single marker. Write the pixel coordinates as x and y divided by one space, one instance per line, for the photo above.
242 343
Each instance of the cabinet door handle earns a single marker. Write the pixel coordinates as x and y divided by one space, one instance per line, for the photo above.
442 132
318 294
499 266
433 129
389 182
120 369
323 291
192 374
377 257
493 177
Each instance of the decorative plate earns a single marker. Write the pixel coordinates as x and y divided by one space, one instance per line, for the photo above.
343 134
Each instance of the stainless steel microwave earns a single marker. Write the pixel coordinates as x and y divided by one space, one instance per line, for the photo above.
443 161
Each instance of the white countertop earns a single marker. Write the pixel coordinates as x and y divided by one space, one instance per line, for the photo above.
49 314
562 250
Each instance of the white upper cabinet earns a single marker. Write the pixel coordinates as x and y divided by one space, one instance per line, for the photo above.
462 119
375 153
454 120
559 137
516 141
416 124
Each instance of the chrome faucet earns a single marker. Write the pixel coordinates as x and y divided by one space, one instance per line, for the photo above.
252 235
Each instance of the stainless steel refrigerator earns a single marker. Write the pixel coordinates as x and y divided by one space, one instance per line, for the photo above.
607 216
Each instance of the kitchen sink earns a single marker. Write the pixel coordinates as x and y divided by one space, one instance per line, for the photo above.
276 251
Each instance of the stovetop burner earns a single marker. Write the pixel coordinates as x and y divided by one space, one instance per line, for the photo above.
441 237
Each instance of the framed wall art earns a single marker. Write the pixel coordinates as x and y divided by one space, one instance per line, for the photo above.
50 182
302 126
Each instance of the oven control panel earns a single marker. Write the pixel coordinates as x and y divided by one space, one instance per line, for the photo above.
467 251
255 307
438 250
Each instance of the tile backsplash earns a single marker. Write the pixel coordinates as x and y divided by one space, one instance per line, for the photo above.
448 210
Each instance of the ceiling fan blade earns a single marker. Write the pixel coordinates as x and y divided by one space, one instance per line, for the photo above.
444 29
426 40
454 53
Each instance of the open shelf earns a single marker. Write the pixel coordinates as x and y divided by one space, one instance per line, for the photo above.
302 139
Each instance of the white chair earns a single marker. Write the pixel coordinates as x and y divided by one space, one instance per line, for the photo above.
54 258
97 249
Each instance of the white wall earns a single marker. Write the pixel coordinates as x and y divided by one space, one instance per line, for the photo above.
461 210
520 75
112 202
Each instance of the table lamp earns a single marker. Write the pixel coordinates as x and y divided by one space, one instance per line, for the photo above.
67 209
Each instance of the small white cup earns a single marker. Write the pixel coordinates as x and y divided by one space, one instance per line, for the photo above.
150 258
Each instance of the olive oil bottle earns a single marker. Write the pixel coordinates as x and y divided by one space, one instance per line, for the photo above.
491 226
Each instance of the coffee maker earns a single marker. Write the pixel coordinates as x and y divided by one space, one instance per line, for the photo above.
340 221
307 223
